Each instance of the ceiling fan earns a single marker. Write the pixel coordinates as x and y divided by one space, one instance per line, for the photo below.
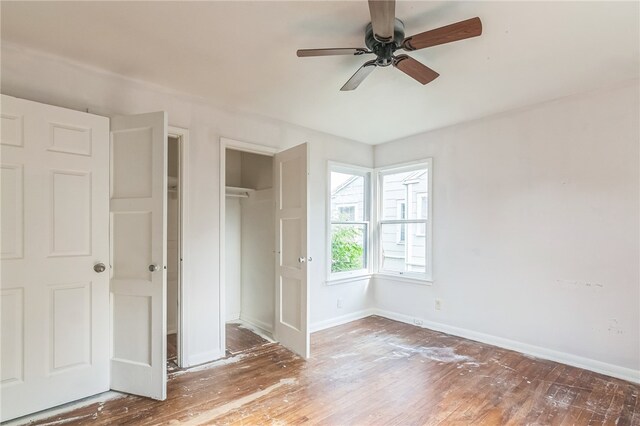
385 34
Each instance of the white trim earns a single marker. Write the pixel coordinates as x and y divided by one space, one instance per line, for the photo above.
183 219
419 198
525 348
349 279
249 147
405 278
399 206
244 147
203 358
348 168
403 166
233 316
259 324
343 319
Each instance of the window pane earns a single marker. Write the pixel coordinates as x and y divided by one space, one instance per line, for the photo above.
397 188
347 197
348 244
402 255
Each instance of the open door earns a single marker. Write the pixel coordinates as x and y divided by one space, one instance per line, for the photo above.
139 254
54 240
292 295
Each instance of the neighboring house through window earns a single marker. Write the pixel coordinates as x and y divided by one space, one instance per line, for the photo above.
347 213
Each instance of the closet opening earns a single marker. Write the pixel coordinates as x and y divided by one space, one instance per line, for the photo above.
175 275
249 255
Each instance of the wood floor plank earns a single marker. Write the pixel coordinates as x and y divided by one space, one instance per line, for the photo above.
240 338
371 372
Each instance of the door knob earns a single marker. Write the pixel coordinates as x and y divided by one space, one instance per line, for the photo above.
310 259
99 267
302 260
153 267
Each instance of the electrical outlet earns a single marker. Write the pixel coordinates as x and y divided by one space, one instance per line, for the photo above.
438 304
339 303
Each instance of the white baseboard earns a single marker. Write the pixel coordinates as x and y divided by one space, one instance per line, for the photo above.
266 327
343 319
203 357
233 316
525 348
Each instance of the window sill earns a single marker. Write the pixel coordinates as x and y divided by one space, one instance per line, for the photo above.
348 280
403 279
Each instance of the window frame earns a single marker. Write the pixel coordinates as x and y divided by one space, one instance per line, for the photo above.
367 174
419 210
405 276
401 237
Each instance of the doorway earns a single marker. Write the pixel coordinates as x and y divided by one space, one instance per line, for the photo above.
173 256
249 249
176 205
283 296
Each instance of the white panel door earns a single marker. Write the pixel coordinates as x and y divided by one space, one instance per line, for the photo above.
139 254
54 325
292 295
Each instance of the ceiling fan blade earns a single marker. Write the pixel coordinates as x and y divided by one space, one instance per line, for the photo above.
415 69
454 32
359 76
383 16
329 52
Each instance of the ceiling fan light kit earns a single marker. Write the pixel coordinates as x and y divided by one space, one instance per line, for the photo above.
385 35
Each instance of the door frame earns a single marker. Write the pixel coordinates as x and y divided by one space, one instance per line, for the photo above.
244 147
182 135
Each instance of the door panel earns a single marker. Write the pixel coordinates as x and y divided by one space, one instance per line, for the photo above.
138 242
55 308
292 303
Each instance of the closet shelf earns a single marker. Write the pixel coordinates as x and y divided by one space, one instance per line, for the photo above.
237 192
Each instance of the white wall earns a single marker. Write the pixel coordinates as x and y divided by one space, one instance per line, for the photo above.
43 78
233 258
536 228
233 168
258 259
257 171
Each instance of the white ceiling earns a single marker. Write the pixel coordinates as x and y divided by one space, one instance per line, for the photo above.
241 56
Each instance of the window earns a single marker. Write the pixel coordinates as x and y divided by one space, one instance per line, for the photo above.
404 240
402 235
402 214
349 189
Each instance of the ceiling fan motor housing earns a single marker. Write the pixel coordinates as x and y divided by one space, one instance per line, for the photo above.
384 50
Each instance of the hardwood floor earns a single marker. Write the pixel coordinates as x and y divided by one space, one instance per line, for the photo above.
377 372
241 339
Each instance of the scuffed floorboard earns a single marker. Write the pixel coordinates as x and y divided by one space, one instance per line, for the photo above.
377 372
